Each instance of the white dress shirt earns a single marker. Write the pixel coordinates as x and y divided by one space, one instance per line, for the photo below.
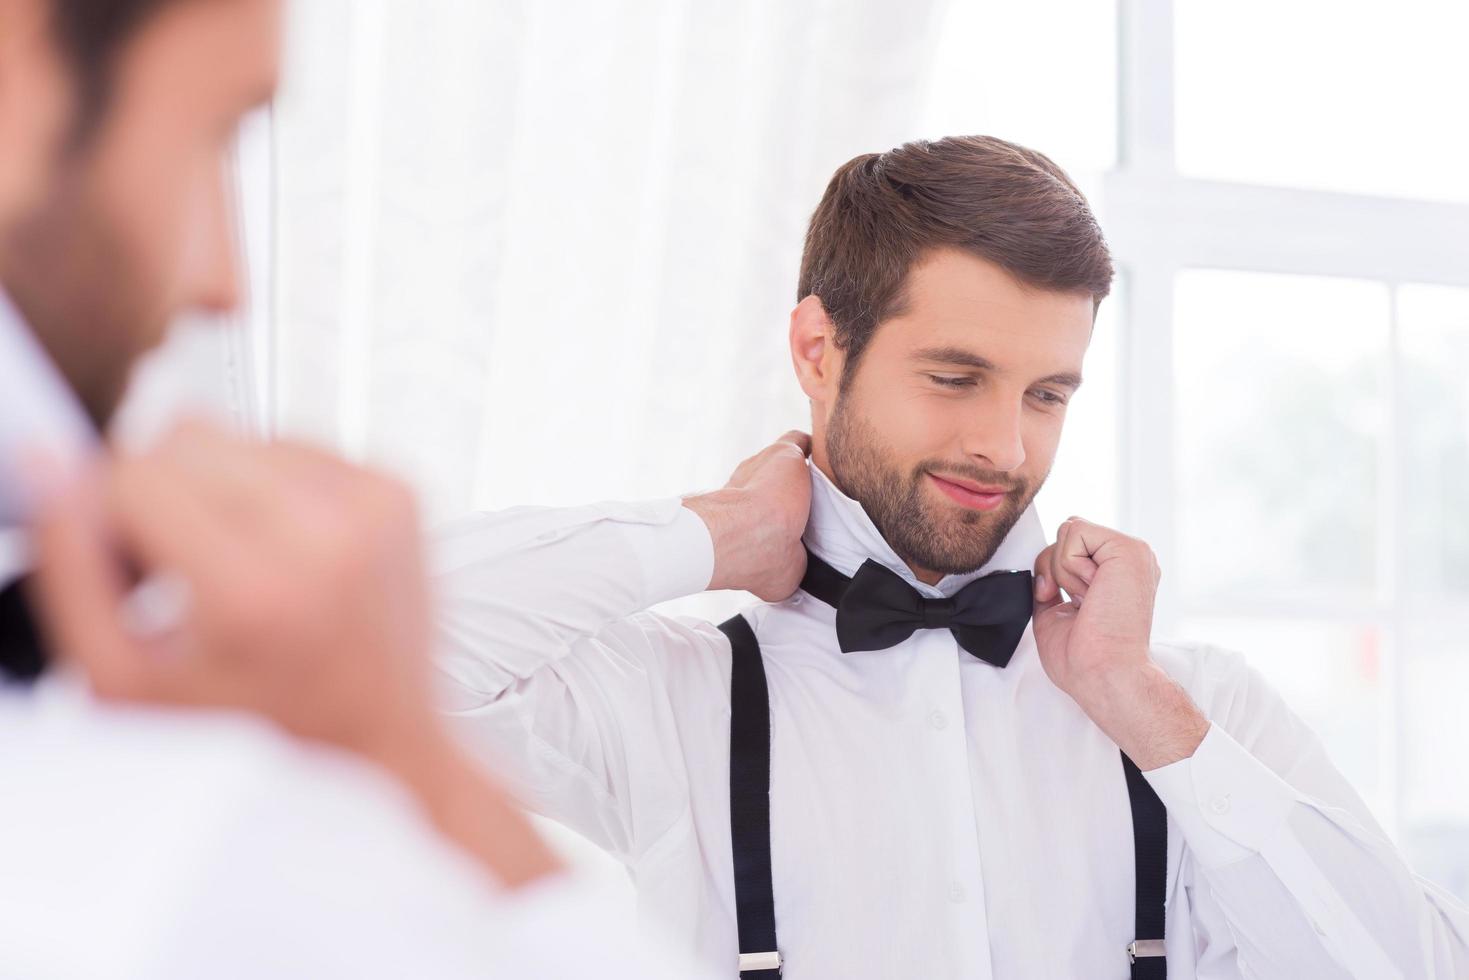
931 816
177 845
155 845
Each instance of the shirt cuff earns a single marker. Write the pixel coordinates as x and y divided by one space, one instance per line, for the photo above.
675 555
1225 802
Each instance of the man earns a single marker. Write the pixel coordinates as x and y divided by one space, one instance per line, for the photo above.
272 578
905 761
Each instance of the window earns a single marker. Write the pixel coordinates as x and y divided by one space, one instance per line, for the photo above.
1281 405
1289 210
1322 94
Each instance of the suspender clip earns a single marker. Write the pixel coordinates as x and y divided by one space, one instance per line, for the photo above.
759 961
1144 948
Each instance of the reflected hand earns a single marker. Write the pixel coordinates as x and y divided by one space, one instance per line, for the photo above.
307 603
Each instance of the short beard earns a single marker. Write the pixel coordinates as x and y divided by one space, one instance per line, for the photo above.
951 544
69 270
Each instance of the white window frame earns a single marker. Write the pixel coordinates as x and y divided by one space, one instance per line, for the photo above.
1160 222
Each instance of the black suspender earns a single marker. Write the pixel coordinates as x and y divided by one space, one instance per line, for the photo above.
1150 861
749 803
749 824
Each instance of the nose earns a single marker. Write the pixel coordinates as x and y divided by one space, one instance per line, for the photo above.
994 435
216 285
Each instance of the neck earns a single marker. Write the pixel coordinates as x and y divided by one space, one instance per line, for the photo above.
923 575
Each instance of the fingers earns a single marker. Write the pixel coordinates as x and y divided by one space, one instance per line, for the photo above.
255 483
1073 563
1080 551
78 589
792 446
1051 575
1047 593
204 499
797 438
163 523
1067 564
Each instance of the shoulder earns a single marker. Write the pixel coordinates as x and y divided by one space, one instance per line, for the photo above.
162 780
124 824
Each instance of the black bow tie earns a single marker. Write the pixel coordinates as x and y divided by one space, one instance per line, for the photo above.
877 609
22 655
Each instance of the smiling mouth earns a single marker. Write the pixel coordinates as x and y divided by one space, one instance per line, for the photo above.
975 496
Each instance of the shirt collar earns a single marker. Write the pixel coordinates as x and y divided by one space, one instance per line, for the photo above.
840 533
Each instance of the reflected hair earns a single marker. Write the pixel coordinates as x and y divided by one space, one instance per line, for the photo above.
883 212
90 35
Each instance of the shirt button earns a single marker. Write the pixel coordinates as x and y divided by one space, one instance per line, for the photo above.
937 720
956 893
1219 804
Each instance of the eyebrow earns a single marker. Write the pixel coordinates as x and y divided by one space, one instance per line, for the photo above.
959 357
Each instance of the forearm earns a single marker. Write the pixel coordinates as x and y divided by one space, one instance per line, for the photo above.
1146 713
468 808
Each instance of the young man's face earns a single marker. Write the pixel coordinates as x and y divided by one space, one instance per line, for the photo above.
137 224
950 419
32 104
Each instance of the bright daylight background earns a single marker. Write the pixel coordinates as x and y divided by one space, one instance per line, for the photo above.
531 252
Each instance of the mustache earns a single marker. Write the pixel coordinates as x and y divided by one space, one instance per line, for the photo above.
968 471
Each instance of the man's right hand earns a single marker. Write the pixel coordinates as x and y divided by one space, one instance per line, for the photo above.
758 518
300 589
303 599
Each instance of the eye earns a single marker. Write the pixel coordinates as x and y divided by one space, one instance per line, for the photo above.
949 381
1049 397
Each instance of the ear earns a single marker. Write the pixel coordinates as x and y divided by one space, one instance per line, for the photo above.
817 359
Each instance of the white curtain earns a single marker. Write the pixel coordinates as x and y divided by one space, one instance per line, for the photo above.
529 251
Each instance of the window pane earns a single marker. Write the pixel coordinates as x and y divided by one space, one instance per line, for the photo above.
1280 410
1050 85
1433 332
1328 674
1436 741
1084 477
1356 97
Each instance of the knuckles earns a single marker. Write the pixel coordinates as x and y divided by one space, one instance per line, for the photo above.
1134 552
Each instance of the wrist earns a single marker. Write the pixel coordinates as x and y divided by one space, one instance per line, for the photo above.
422 759
724 514
1145 712
756 539
468 807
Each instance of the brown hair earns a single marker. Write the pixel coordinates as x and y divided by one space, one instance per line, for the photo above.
1001 202
90 34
